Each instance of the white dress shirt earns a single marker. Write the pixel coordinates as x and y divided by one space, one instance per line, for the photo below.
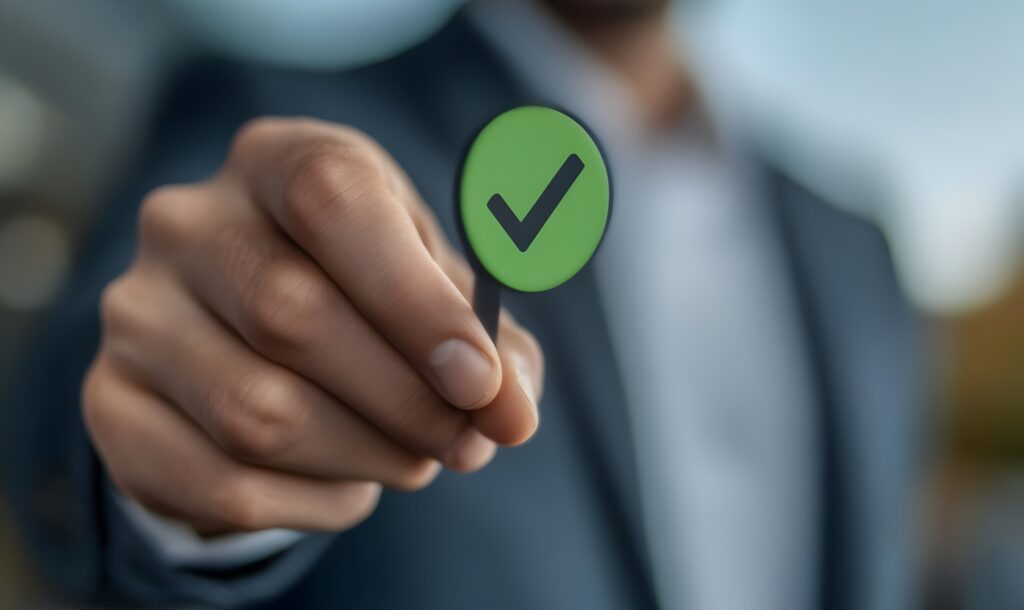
706 336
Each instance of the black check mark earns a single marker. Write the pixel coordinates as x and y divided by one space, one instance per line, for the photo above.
523 232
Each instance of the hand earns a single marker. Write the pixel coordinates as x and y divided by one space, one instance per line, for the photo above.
294 333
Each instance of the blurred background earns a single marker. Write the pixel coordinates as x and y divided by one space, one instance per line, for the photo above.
910 113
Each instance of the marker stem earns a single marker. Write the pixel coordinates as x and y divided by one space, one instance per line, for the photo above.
487 303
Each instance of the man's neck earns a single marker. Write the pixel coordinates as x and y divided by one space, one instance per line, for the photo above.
643 53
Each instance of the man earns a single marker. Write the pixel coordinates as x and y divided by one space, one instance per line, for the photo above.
729 405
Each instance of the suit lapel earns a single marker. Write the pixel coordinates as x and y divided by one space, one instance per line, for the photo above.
861 344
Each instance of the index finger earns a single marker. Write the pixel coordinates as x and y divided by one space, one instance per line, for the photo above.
336 194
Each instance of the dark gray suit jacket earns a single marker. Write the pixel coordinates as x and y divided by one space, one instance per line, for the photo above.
554 524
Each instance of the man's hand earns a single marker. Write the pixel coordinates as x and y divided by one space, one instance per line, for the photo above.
294 333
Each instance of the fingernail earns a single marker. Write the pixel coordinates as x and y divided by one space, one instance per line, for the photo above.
466 376
470 452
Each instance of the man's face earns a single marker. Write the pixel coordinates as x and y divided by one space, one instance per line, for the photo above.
600 12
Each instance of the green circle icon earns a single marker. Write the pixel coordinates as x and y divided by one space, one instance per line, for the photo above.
534 198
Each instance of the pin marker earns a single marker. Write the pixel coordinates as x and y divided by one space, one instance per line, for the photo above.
533 202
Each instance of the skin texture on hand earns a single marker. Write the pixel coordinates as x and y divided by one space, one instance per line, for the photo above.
295 333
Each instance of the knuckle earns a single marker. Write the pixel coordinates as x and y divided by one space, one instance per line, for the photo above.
254 134
261 421
238 503
416 475
168 216
326 181
119 307
288 307
128 316
112 302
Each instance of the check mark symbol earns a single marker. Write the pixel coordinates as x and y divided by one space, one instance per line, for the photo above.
523 232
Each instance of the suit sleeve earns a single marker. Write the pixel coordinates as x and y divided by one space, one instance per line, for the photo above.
65 508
